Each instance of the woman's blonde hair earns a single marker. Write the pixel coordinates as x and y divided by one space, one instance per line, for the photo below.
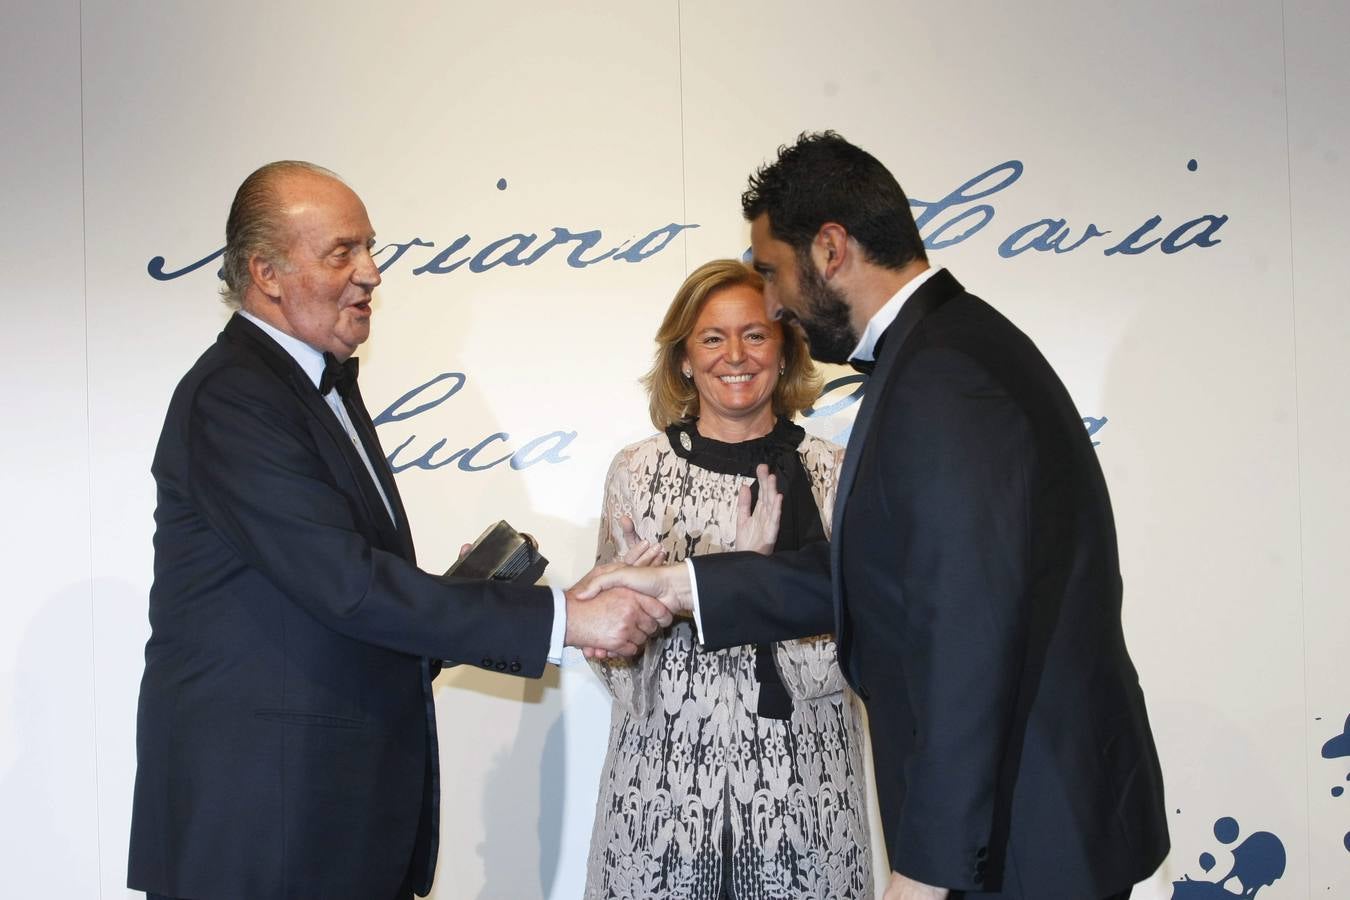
672 397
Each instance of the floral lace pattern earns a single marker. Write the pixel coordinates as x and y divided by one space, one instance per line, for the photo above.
686 749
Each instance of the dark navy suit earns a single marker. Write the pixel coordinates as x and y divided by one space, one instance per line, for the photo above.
286 736
974 585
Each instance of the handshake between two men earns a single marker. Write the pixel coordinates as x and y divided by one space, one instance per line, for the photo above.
616 607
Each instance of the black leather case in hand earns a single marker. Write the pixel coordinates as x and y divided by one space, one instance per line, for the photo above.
502 554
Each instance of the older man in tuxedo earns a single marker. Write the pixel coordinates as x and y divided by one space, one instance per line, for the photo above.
973 579
286 734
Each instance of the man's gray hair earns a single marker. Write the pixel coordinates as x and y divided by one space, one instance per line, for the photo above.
254 227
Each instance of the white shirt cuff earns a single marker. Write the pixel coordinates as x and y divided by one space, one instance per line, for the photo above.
693 589
555 639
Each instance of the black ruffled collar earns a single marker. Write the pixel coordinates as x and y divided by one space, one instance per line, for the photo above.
740 458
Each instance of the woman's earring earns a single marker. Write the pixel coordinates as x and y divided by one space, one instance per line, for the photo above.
687 373
782 368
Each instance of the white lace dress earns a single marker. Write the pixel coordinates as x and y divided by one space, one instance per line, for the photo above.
685 744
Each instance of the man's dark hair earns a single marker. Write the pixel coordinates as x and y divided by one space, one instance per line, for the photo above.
823 178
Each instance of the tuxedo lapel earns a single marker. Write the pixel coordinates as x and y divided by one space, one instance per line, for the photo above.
939 288
289 372
356 408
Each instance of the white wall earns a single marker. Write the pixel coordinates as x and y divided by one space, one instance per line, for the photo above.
49 684
1219 370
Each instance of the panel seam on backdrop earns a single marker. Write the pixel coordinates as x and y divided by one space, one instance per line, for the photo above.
684 184
1298 445
89 465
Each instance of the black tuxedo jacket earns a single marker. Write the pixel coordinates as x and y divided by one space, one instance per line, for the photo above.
286 735
974 586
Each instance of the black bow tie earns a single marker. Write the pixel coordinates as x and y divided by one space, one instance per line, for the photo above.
340 375
865 366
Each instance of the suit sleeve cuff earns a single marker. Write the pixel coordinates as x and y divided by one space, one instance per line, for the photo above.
693 590
555 639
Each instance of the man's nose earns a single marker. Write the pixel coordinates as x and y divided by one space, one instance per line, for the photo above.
367 273
772 308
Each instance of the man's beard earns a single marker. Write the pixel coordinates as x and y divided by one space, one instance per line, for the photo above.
829 332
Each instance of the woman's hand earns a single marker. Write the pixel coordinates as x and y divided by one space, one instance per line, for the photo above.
758 530
639 552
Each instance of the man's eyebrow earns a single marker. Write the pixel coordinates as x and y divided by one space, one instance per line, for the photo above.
351 241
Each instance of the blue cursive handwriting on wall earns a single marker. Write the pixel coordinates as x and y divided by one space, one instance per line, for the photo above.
964 212
957 217
506 251
493 450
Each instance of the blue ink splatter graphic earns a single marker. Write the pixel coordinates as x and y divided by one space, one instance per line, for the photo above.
1257 862
1338 746
501 184
1192 165
1226 830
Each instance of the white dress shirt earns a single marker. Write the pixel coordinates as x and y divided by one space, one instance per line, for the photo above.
882 318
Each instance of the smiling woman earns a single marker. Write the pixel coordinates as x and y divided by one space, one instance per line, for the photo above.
691 333
734 357
731 773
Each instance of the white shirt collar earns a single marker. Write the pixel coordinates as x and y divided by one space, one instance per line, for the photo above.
307 357
877 325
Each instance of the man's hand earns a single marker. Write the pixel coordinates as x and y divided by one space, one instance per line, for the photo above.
669 584
613 619
902 888
758 531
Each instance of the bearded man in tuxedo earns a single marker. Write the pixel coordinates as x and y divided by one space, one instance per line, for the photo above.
286 734
972 579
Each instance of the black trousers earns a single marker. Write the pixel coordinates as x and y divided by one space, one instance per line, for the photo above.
961 895
407 895
404 894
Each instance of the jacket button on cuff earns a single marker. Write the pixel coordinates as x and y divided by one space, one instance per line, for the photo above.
515 667
486 663
501 665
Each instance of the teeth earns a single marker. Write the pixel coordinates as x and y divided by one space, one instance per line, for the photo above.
736 379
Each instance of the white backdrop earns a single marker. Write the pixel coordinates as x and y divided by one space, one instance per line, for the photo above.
1213 375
